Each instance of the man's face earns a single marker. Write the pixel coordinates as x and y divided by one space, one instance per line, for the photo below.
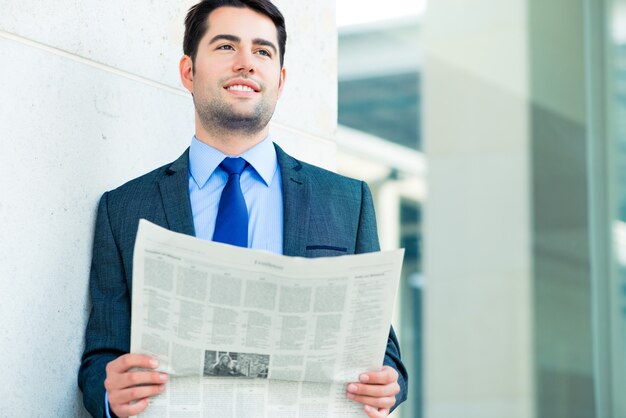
237 79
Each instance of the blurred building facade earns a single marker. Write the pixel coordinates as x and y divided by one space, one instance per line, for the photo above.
513 304
379 140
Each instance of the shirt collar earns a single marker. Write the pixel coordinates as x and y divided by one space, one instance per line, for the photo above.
204 159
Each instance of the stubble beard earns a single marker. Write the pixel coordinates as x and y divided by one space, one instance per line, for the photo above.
217 116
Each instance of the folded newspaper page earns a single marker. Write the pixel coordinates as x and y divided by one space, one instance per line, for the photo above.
245 333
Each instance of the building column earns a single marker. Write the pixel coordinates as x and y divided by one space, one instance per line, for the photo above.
507 306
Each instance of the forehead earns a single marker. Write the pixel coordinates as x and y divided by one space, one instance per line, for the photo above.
242 22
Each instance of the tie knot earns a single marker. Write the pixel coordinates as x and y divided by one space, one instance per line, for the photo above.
233 165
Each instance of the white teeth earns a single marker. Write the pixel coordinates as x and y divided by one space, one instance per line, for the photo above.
239 87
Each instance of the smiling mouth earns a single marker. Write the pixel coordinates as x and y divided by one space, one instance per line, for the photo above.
240 87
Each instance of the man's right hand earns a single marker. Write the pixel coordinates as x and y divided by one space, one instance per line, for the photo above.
129 390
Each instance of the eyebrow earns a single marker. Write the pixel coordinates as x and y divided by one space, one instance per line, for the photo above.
237 39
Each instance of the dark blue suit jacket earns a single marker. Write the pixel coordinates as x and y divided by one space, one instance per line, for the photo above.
325 214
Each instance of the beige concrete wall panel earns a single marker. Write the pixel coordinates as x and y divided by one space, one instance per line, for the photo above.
141 37
309 101
70 132
305 147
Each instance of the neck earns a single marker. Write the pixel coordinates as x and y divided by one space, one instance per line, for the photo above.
231 143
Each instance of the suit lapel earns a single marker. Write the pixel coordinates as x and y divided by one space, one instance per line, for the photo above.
296 194
174 188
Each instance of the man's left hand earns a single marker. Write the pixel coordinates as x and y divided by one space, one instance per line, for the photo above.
376 390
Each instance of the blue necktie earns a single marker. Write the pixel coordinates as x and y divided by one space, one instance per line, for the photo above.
231 224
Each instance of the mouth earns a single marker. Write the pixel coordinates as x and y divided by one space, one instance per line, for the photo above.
242 85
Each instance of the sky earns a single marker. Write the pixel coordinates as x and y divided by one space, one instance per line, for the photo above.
352 12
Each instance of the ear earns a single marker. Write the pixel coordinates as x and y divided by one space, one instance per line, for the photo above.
185 67
281 82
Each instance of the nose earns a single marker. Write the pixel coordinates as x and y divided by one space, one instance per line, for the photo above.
244 62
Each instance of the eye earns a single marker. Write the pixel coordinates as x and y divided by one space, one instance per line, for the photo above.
226 47
265 53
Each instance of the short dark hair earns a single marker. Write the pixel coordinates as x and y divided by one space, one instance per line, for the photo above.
197 22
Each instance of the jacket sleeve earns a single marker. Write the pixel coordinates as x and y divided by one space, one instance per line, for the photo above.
108 330
367 241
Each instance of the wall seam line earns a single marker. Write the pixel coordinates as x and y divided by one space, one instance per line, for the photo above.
93 64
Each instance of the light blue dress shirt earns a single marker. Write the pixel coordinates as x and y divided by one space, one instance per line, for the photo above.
261 185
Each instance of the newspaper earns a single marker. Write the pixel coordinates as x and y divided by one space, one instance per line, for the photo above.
245 333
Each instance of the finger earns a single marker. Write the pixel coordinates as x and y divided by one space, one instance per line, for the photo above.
128 410
390 389
131 395
129 379
380 403
385 375
128 361
375 412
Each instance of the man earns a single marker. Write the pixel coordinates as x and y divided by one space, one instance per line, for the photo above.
233 67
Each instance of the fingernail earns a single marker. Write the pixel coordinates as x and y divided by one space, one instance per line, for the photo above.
154 362
368 408
364 378
351 395
163 377
162 388
352 388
